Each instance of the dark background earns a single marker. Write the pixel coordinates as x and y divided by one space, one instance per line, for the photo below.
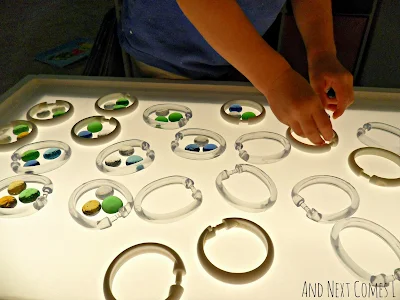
30 27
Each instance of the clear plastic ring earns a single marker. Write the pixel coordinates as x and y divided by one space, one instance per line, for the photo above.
312 148
128 169
229 277
106 222
187 115
380 181
62 157
198 155
265 159
26 209
172 216
238 119
312 213
175 291
368 141
245 205
380 280
116 104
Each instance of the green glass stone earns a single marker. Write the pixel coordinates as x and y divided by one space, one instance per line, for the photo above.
122 101
30 155
112 204
175 117
58 113
116 107
95 127
20 129
248 115
29 195
161 119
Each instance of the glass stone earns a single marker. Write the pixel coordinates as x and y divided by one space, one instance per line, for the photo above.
331 93
209 147
193 147
58 108
43 114
235 107
161 119
112 204
30 155
126 150
22 135
52 153
91 208
117 107
248 115
8 202
235 114
20 129
175 117
5 139
123 102
31 163
95 126
112 161
104 191
201 140
109 105
16 187
133 159
29 195
85 134
139 167
58 113
162 112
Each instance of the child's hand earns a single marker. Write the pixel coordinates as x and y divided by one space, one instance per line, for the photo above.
294 103
326 72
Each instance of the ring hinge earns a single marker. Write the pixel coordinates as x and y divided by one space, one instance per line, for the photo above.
314 214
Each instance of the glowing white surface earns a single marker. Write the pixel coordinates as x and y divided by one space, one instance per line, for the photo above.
49 256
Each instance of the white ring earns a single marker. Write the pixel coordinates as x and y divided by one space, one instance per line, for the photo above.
134 102
249 103
175 291
312 213
265 159
245 205
380 280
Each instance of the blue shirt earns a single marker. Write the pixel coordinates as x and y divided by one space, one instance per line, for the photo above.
157 33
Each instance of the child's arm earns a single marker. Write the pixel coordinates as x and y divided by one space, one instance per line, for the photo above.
226 28
314 20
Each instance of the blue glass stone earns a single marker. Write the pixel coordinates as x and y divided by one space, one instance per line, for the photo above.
31 163
85 134
52 153
192 147
133 159
235 107
209 147
139 167
331 93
